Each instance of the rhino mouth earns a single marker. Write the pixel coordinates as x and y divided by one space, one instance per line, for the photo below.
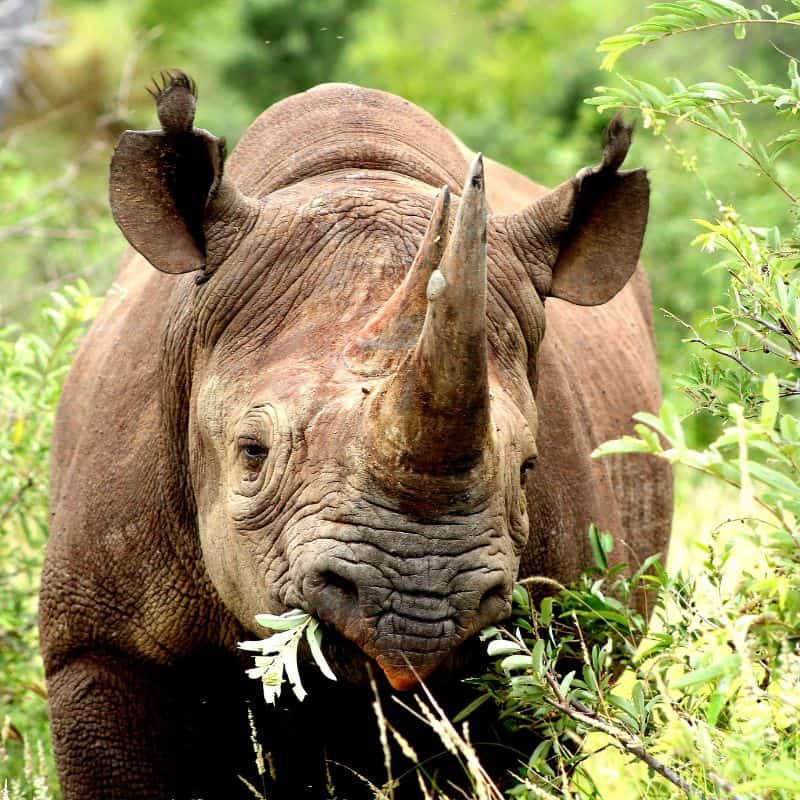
409 637
354 667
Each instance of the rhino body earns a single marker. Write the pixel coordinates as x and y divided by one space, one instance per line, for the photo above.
330 394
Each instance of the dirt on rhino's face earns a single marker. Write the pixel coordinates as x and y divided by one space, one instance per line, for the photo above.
325 482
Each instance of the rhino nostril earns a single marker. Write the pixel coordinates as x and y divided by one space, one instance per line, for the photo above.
495 603
344 587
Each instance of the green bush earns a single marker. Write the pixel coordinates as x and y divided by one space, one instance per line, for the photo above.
32 367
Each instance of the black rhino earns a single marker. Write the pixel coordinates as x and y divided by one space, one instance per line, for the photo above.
328 389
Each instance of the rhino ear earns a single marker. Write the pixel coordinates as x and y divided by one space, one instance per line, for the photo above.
160 181
590 229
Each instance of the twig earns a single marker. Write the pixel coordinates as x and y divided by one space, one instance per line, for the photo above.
721 352
628 744
51 187
581 713
698 339
28 483
26 230
25 298
770 327
121 98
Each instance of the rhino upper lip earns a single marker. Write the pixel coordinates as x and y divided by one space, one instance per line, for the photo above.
353 666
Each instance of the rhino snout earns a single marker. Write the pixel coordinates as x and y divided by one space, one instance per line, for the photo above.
409 625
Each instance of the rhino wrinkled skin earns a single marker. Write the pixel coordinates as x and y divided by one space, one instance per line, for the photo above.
330 389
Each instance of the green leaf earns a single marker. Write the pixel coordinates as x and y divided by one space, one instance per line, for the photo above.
546 611
781 775
589 678
715 705
537 656
769 410
539 755
489 633
622 704
471 708
521 598
740 31
314 639
790 428
774 479
699 677
627 444
598 552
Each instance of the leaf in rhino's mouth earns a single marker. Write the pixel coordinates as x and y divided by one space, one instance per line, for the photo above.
276 657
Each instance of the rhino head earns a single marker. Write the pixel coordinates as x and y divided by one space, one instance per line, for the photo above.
357 372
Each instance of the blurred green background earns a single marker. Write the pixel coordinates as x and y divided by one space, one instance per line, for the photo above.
507 76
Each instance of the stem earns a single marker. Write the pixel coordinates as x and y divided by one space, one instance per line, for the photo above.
728 22
721 352
769 326
716 131
626 742
697 339
695 28
581 713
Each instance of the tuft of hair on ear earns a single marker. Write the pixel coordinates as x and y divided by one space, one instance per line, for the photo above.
616 143
176 101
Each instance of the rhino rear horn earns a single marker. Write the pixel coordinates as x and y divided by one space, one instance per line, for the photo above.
161 181
394 329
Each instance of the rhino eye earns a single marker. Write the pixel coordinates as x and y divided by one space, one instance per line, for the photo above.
253 455
527 465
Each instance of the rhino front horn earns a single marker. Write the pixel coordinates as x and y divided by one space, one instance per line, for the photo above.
433 416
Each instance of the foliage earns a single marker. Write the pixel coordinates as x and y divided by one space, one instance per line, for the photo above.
277 654
685 17
32 367
756 121
710 704
47 236
291 46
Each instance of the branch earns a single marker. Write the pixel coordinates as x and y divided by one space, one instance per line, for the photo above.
16 498
717 132
591 720
721 352
770 327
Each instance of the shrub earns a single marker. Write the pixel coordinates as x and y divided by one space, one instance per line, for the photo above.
32 367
